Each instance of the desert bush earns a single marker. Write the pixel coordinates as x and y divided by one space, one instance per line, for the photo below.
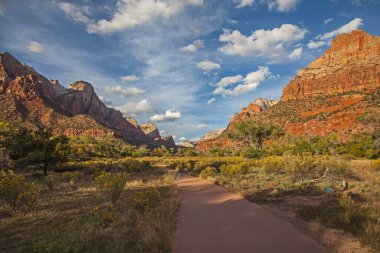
375 165
209 172
273 164
232 170
155 227
169 178
112 184
29 196
371 235
15 191
253 152
302 166
337 167
146 199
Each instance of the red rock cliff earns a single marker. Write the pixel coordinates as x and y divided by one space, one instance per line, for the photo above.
352 63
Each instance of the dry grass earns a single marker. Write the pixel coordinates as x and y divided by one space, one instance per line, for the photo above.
74 216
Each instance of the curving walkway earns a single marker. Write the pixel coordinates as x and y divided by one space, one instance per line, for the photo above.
211 219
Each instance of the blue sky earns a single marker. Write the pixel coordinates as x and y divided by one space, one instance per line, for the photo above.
188 65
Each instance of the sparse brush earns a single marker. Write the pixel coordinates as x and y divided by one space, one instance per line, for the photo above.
112 184
209 172
375 165
156 226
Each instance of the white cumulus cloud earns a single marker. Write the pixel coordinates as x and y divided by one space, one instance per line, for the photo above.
283 5
325 39
247 84
169 116
273 44
208 65
132 109
125 92
244 3
36 47
77 14
226 81
193 47
129 14
316 44
129 78
296 54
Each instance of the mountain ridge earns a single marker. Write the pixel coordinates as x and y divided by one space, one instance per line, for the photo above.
45 102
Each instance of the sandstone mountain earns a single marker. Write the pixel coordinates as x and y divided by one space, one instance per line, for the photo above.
337 93
151 130
213 134
28 98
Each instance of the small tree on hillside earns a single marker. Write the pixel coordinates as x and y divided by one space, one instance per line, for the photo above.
253 134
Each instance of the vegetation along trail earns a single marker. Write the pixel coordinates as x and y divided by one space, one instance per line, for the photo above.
211 219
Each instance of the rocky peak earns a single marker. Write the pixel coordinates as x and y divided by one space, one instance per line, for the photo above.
352 63
264 103
133 121
213 134
151 130
82 86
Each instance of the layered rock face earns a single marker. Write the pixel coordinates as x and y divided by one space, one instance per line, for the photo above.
213 134
72 111
350 64
151 130
259 105
331 95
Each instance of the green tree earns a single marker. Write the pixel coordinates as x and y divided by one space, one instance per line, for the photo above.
39 147
253 134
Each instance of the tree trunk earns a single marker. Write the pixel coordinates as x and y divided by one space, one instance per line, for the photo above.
45 168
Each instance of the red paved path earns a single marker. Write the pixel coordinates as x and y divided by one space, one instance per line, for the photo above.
211 219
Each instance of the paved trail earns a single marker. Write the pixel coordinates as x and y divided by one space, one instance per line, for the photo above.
211 219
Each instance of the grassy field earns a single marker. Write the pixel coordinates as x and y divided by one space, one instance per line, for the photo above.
94 209
130 204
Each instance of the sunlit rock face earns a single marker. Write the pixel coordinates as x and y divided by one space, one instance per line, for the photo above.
352 63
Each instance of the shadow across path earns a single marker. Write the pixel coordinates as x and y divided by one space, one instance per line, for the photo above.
211 219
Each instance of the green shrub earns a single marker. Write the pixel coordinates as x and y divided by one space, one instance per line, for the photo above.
15 191
253 153
146 199
112 184
232 170
337 167
375 165
302 166
273 164
29 196
209 172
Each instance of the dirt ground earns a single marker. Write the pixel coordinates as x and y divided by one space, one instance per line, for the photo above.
212 219
333 240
